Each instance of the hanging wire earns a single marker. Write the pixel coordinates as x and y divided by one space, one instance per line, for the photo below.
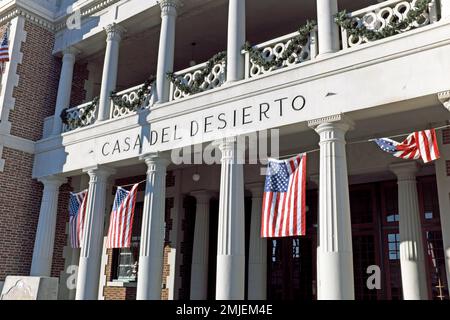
286 156
131 184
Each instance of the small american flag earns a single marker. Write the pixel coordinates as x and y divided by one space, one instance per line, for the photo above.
77 214
4 48
283 211
121 221
418 145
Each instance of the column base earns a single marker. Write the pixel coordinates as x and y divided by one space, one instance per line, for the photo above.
29 288
413 280
149 288
336 276
230 283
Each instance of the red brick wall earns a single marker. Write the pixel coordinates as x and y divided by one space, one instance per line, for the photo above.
447 166
80 75
20 200
60 235
446 136
38 83
120 293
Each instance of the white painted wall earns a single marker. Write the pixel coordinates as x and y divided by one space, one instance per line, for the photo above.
358 81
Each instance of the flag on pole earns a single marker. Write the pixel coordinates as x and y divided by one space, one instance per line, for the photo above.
418 145
283 209
4 48
121 221
77 214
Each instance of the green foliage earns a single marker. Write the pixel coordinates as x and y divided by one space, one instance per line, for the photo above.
294 46
142 94
199 78
78 122
397 26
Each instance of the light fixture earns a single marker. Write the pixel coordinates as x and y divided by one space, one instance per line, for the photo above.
196 175
192 62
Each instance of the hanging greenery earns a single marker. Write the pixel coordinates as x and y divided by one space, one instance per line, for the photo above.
294 46
356 29
79 121
142 94
180 83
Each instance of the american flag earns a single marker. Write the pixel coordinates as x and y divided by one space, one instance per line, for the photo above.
418 145
77 214
4 48
121 221
283 211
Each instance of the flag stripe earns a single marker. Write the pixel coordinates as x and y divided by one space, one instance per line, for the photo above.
283 208
77 205
121 220
418 145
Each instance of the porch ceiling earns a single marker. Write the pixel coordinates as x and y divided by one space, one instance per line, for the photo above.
204 23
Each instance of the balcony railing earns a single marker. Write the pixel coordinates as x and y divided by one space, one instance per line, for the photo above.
386 14
80 116
132 100
275 48
379 16
214 79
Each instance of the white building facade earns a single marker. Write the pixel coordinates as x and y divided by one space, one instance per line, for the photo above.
196 232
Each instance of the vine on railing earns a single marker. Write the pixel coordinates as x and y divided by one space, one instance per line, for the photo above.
356 29
199 79
294 45
78 122
142 94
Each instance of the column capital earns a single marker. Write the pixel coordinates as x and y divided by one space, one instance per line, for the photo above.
202 196
337 121
405 171
155 158
54 181
169 7
444 98
230 143
256 189
70 52
99 172
114 32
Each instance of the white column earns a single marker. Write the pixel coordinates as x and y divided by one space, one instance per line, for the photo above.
41 264
257 255
92 240
445 9
412 256
64 87
114 34
230 280
334 251
443 186
328 31
152 233
236 39
166 47
199 270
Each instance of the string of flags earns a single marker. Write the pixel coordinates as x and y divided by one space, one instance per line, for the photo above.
417 145
283 207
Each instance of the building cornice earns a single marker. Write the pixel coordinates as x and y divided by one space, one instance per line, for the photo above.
18 11
86 9
55 23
